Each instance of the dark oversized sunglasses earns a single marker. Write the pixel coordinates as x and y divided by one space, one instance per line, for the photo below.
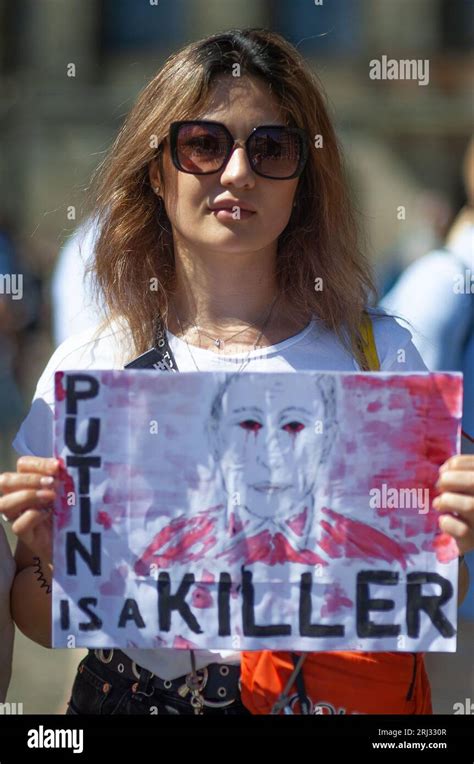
201 147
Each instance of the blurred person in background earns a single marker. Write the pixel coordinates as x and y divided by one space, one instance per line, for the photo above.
432 214
73 307
17 314
436 296
11 320
19 306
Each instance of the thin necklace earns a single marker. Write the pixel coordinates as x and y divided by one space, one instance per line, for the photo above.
218 341
246 359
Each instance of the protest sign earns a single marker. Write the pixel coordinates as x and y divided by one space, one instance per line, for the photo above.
254 511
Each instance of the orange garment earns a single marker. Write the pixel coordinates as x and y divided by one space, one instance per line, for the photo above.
339 682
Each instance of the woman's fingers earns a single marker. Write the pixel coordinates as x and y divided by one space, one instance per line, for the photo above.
13 504
15 481
455 502
26 501
458 462
29 520
461 480
459 530
38 464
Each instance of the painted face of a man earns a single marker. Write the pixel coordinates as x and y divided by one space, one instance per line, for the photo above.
269 444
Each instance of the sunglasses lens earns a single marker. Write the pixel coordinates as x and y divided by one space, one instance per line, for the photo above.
201 148
275 152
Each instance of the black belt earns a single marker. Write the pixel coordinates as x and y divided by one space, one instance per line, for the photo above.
217 683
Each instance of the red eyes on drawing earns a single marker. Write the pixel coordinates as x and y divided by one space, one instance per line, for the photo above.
251 425
293 427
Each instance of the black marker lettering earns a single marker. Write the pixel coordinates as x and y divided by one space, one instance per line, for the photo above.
74 394
94 624
430 604
91 556
366 627
168 602
130 612
250 628
308 629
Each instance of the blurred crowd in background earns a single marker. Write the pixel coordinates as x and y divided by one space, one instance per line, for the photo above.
69 72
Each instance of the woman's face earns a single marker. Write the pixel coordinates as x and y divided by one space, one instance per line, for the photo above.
240 104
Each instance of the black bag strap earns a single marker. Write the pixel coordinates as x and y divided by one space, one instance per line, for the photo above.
160 356
284 697
300 685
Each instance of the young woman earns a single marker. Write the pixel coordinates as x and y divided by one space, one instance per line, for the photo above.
222 208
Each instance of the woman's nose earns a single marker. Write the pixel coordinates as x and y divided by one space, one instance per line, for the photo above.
238 169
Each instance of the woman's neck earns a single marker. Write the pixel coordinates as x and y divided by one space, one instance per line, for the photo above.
224 290
224 295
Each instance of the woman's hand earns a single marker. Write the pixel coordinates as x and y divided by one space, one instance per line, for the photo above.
27 500
456 486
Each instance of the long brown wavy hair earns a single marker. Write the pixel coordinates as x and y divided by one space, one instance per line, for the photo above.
134 242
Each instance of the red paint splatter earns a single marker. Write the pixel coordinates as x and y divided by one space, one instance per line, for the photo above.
103 518
335 598
449 388
374 406
235 524
186 532
355 540
271 549
202 597
59 391
116 583
444 546
115 380
297 523
187 539
63 509
180 643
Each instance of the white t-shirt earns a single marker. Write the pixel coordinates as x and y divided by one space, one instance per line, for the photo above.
314 349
